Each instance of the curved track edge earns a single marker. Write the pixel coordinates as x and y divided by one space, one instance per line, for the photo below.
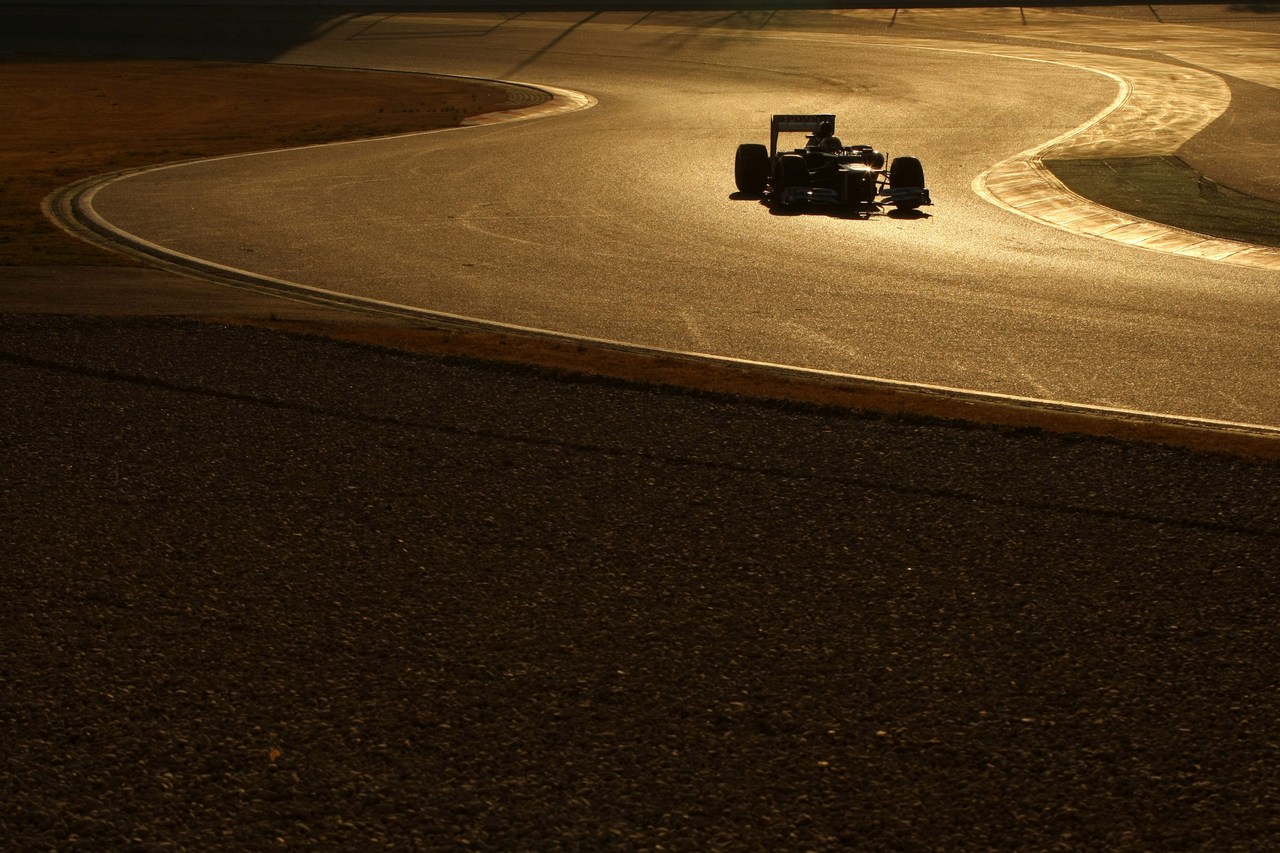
71 207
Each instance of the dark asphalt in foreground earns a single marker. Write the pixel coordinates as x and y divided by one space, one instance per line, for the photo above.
263 590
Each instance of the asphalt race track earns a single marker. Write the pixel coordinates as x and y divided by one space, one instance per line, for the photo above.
620 222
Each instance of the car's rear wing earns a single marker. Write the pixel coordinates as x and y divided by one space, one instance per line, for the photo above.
795 123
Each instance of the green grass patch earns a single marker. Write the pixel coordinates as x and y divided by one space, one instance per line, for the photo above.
1166 190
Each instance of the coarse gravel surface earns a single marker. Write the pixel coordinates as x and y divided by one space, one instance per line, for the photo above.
268 590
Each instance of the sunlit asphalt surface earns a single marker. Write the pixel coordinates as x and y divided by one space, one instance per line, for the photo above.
620 222
263 590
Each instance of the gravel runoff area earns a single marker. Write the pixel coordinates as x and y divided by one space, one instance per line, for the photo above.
268 589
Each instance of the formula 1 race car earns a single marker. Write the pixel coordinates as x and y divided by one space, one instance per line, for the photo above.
825 171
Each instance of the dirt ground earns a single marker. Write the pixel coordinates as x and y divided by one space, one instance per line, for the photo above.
84 118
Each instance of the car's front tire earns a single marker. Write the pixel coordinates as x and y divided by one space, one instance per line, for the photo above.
906 173
751 168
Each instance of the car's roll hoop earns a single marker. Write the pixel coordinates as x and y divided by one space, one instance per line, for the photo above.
795 123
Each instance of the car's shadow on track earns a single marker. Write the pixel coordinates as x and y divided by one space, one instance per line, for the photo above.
860 211
908 214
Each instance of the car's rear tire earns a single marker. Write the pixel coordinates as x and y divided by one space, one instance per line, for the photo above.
751 168
795 171
906 173
789 170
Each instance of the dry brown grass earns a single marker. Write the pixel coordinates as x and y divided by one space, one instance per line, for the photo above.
80 118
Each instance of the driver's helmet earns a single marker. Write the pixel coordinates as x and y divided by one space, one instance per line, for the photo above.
824 138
